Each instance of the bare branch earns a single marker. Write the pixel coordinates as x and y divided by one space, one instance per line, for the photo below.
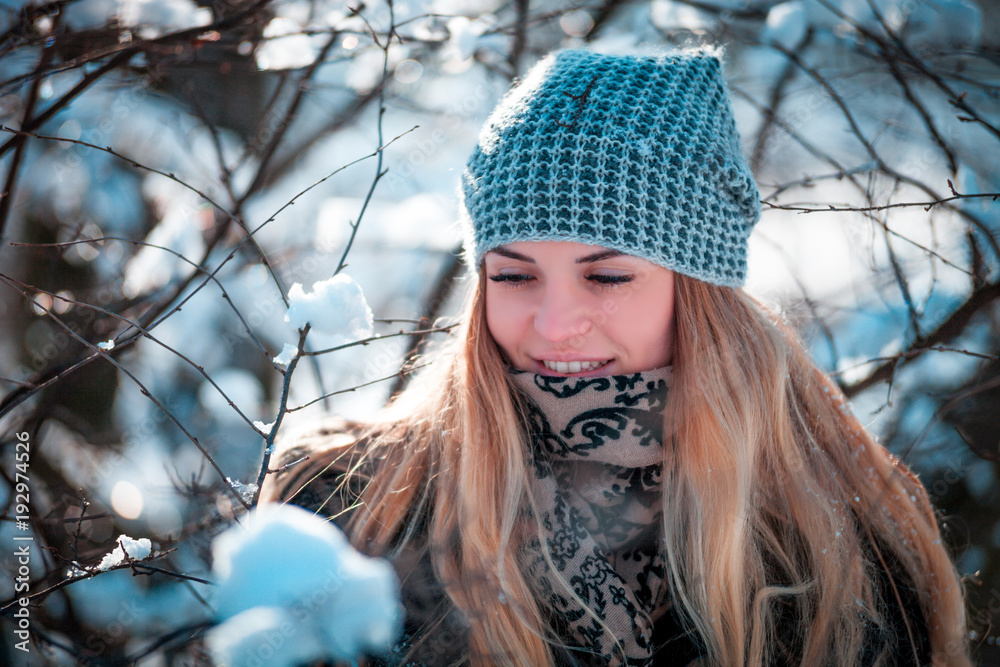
142 388
953 326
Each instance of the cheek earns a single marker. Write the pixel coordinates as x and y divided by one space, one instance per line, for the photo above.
643 325
501 320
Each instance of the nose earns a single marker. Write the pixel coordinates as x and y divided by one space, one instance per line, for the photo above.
562 317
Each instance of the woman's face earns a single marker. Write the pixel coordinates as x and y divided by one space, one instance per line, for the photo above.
565 308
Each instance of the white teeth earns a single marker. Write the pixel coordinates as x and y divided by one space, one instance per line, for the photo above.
573 366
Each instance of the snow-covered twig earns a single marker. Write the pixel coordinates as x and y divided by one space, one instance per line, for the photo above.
282 410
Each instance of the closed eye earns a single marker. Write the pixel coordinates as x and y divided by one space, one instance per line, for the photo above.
605 279
511 278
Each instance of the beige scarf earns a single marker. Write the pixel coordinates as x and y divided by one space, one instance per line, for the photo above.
598 460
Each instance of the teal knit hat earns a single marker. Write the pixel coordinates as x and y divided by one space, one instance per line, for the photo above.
637 154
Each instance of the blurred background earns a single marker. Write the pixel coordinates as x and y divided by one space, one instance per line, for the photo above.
172 168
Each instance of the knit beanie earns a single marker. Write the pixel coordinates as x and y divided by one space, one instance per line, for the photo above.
637 154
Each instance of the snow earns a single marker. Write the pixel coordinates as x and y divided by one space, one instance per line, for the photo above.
464 35
106 345
264 635
291 585
155 17
263 428
335 307
786 25
288 352
135 549
246 491
669 15
413 222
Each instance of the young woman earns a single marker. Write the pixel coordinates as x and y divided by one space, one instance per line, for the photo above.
622 458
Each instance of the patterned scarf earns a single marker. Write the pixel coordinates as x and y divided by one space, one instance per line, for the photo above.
598 462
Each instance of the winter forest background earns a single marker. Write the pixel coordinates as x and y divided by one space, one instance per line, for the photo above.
172 168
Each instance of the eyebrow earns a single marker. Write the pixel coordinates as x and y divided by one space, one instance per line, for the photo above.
598 256
504 251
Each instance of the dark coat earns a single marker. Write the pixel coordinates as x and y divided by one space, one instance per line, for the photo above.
435 632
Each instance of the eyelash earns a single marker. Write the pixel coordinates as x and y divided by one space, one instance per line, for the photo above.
514 280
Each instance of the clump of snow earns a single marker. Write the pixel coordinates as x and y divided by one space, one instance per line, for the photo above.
136 550
465 37
335 306
291 585
786 24
261 427
155 17
246 491
74 571
106 345
669 15
286 355
464 33
241 640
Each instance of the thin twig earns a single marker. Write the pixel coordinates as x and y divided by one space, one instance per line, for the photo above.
286 386
378 337
290 113
183 258
379 173
356 387
142 389
954 325
142 332
15 163
22 393
926 205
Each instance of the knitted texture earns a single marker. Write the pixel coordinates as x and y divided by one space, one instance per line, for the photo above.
638 154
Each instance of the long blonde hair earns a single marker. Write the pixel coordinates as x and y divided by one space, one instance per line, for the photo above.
778 506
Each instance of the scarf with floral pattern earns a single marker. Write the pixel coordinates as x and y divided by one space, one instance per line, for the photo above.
598 457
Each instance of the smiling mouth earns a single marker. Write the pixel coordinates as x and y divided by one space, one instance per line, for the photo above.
569 367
